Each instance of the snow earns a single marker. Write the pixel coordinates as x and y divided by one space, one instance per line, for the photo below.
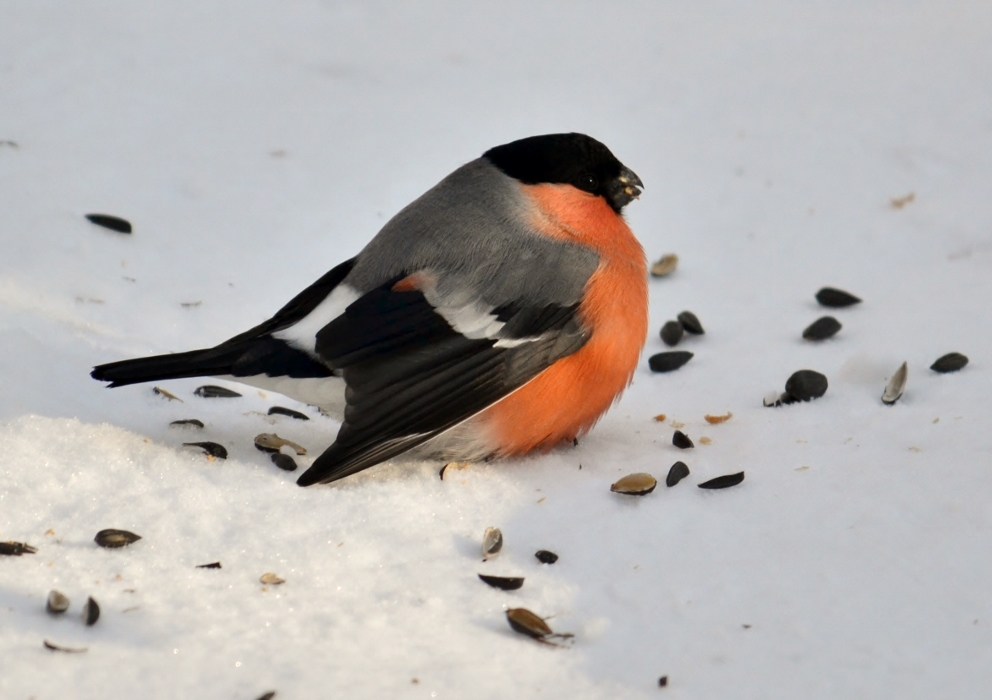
253 146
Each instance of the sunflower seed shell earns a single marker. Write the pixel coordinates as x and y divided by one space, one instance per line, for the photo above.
115 539
678 472
210 448
492 542
896 385
282 411
504 583
723 482
546 557
665 265
639 484
211 391
681 440
271 579
57 602
91 612
270 442
524 621
16 549
187 423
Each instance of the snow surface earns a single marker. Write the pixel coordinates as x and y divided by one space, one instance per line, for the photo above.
255 145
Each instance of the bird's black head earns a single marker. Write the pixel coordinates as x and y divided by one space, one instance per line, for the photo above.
570 159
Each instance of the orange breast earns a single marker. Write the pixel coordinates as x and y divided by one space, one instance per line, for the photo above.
566 399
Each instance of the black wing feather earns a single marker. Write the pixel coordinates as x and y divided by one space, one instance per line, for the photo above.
411 376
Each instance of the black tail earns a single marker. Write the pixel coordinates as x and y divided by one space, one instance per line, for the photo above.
196 363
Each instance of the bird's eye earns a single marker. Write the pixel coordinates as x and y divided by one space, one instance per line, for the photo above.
588 182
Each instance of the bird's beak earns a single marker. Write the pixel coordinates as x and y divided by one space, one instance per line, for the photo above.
626 189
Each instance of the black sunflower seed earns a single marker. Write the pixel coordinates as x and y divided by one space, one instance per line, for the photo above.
211 565
822 328
806 385
210 391
546 557
115 539
678 472
211 448
114 223
504 583
836 298
16 549
187 423
681 440
91 612
722 482
691 323
668 361
280 411
267 696
663 681
672 332
951 362
284 462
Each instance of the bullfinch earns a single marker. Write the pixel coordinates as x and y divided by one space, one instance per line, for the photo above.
500 313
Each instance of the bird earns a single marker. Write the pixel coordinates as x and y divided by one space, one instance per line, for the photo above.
500 313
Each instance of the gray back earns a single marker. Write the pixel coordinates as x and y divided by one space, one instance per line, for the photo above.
473 229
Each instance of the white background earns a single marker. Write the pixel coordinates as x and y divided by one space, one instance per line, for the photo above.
256 145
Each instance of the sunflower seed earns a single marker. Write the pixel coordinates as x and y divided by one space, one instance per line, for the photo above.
504 583
284 462
16 549
210 391
187 423
678 472
836 298
951 362
896 385
546 557
663 681
211 448
162 392
267 696
665 266
681 440
524 621
822 328
91 612
713 420
671 333
115 539
492 542
114 223
668 361
805 385
691 323
280 411
66 650
639 484
271 579
57 602
270 442
722 482
211 565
